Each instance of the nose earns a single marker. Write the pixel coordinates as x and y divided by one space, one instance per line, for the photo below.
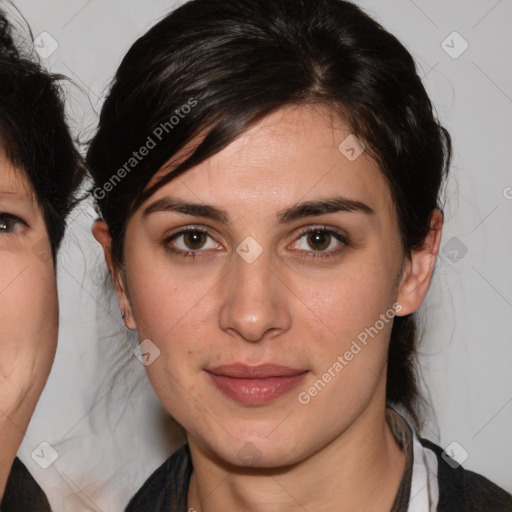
254 301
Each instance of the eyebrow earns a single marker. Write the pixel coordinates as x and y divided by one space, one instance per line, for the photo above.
295 212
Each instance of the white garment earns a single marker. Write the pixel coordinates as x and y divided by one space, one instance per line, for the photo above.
424 484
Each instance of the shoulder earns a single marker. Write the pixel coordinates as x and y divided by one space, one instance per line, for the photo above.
22 492
463 490
167 487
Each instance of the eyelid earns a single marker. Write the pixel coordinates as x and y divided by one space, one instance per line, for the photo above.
11 218
185 229
322 227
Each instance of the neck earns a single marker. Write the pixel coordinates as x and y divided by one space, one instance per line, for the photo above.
360 470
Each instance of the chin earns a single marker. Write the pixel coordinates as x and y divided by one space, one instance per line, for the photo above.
258 452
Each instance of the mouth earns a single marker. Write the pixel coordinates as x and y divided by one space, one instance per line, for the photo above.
255 385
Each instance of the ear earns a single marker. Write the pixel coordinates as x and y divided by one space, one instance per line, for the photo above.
102 234
417 274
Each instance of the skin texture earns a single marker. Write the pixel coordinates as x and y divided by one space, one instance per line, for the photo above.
286 307
28 311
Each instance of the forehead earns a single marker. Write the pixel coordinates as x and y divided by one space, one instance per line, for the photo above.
13 180
296 152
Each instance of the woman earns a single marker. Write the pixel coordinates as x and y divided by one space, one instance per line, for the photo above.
40 171
268 176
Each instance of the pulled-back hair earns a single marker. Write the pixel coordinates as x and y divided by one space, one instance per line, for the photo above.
34 135
216 67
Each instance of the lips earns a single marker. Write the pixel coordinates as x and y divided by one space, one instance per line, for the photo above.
255 384
261 371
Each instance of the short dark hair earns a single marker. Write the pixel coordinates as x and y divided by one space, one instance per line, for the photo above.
34 134
240 60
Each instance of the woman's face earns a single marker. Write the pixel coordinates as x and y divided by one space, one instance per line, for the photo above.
237 281
28 296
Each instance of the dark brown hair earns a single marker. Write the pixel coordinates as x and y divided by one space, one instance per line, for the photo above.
34 134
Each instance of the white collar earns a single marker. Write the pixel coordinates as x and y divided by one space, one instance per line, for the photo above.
424 483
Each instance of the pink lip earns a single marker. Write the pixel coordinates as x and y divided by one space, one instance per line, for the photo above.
255 384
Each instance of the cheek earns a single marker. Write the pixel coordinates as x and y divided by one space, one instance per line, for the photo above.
177 313
347 323
165 302
28 312
344 302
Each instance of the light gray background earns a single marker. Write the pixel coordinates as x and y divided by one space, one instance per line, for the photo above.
467 346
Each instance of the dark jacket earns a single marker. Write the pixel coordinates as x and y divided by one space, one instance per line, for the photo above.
460 490
22 492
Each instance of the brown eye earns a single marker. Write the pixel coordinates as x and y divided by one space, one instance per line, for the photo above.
194 239
319 240
191 242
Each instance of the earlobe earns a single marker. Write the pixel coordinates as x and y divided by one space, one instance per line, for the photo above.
101 233
419 268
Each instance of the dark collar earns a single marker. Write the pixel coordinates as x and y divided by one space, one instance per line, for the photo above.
22 492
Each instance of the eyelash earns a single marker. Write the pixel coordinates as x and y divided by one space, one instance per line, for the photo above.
7 219
314 254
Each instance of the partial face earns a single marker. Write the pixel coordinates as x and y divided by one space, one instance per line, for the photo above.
28 294
258 297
